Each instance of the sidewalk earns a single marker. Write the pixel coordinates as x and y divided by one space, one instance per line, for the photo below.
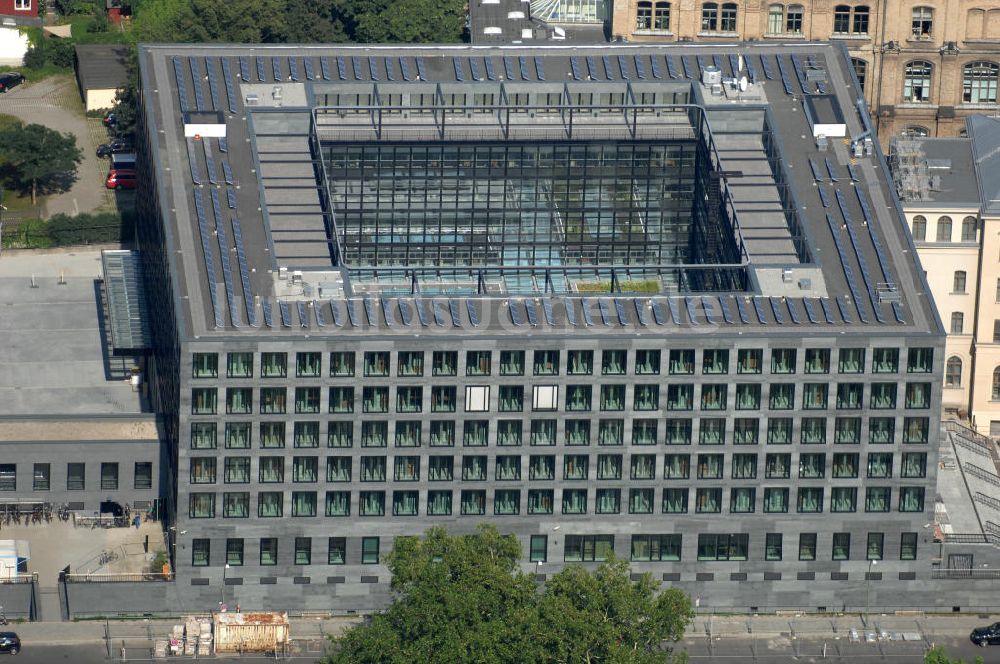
94 631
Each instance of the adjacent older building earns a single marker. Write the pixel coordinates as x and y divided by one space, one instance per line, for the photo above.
949 190
599 296
924 66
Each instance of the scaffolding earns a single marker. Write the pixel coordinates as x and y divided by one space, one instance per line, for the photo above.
909 169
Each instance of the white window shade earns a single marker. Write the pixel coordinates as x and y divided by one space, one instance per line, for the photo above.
546 397
477 398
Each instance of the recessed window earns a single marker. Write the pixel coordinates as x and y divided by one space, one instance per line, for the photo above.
545 397
917 83
268 551
205 365
477 398
200 552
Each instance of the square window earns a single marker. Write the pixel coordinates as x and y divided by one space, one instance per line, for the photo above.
545 397
200 552
336 551
538 549
268 551
234 552
477 398
303 550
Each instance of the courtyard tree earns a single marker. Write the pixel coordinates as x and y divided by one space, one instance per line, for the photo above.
38 159
464 598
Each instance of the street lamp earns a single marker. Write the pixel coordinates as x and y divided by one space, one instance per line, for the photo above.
868 588
222 591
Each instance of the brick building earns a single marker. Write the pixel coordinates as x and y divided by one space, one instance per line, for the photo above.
924 65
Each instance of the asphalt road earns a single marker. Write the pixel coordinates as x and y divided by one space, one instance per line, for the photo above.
744 651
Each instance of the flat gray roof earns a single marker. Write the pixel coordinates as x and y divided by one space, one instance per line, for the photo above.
984 132
844 288
102 66
53 351
948 172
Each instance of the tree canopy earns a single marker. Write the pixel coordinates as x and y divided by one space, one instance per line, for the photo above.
37 159
939 656
300 21
464 599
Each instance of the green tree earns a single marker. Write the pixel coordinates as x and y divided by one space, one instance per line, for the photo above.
465 599
410 21
38 158
939 656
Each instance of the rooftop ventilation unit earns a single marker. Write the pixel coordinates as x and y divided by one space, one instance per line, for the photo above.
492 30
515 15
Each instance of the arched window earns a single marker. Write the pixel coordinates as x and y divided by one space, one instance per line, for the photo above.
996 384
727 20
958 283
775 19
661 16
957 322
919 228
842 19
953 372
969 229
917 81
979 82
944 229
710 17
922 21
860 70
644 15
793 19
917 130
850 20
860 24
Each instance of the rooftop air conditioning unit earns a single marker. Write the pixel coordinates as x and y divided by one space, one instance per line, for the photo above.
515 15
492 30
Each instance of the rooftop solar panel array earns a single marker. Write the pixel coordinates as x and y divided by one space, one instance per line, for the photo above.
831 170
585 308
623 67
227 76
640 67
193 163
293 69
373 68
570 309
608 71
490 72
456 315
324 67
657 310
241 260
303 314
688 67
539 69
459 72
244 68
592 69
268 314
654 64
574 65
810 312
182 98
786 80
727 313
206 247
827 313
602 307
474 70
529 309
421 308
848 270
227 272
341 68
209 163
276 70
199 95
213 85
766 66
260 69
671 68
286 313
522 64
742 308
307 64
860 255
675 311
421 70
404 68
357 67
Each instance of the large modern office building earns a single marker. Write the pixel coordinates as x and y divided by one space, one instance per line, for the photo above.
610 299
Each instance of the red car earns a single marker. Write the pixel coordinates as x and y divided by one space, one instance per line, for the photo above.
120 179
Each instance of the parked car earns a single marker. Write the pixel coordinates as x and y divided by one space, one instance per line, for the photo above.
9 643
114 147
9 80
986 636
109 119
120 178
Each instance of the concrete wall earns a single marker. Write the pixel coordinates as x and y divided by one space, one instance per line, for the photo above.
18 600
